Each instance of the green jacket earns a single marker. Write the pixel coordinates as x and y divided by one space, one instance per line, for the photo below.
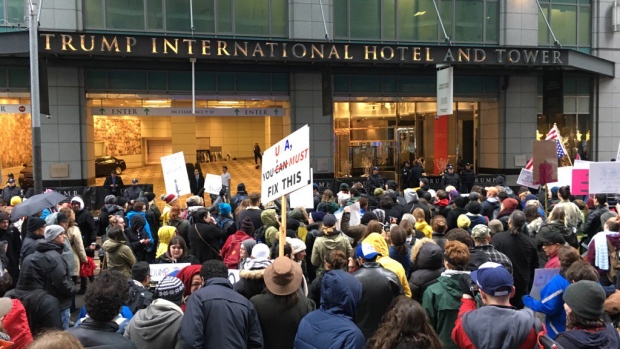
442 301
268 217
119 257
325 244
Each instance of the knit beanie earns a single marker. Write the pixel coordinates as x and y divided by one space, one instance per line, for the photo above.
367 217
110 199
170 289
247 226
52 231
317 216
16 200
34 223
586 299
329 220
248 244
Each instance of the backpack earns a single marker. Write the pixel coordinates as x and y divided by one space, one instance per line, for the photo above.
232 259
239 200
224 223
259 234
543 341
139 298
614 261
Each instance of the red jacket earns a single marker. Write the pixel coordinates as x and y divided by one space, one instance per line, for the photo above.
16 326
554 261
459 336
230 250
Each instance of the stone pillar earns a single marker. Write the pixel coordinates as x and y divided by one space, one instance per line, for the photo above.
520 118
518 23
307 21
184 136
489 123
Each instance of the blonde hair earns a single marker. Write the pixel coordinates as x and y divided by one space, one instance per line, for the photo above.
56 340
419 214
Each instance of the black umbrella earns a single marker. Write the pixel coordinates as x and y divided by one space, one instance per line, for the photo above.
36 204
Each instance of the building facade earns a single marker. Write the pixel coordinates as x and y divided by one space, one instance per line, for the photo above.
361 73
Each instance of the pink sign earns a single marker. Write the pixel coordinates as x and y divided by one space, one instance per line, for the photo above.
581 182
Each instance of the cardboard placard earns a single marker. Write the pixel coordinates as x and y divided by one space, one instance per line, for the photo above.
213 184
526 178
541 279
545 162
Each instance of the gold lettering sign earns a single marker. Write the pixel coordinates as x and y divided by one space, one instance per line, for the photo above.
243 49
221 47
66 42
83 43
190 45
168 45
109 46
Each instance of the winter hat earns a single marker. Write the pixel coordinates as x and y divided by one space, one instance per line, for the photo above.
317 216
474 207
554 191
378 192
78 200
292 224
4 217
480 232
329 220
453 194
247 226
463 221
224 209
109 199
296 244
344 186
380 214
52 231
149 196
170 289
248 244
61 217
496 226
586 299
553 238
590 203
283 277
260 252
425 182
510 204
137 222
529 197
34 223
391 184
367 217
169 198
500 180
16 200
186 274
460 201
121 201
315 186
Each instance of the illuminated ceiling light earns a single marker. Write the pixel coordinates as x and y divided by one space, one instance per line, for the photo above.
419 13
228 102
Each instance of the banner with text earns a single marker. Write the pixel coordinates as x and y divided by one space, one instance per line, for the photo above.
213 184
526 178
158 271
445 89
604 177
141 111
581 182
175 174
286 165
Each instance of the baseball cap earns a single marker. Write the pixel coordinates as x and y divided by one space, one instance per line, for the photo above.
375 168
11 180
449 166
493 279
366 251
553 238
135 180
315 186
480 232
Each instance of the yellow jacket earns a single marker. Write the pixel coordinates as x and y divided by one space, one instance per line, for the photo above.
380 245
425 228
165 235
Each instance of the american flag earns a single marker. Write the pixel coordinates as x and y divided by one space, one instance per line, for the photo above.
554 134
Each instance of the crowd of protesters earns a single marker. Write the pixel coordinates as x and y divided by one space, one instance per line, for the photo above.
369 266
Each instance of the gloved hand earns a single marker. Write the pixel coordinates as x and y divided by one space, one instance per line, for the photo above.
468 286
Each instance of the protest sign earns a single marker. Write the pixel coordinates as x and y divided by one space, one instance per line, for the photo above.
581 182
526 178
356 216
545 162
233 276
158 271
541 279
175 174
213 184
303 197
565 177
604 178
582 164
286 165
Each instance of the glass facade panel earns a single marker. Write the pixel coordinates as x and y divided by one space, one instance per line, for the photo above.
341 18
127 79
564 24
155 16
469 20
252 17
570 21
15 11
224 16
157 80
93 14
389 19
492 22
279 17
585 30
124 14
425 23
365 20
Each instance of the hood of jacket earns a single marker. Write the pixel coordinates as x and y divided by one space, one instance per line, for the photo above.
341 293
558 227
165 234
297 214
156 318
426 254
332 241
112 209
111 246
186 274
411 196
44 246
589 340
253 274
451 282
378 242
79 200
268 217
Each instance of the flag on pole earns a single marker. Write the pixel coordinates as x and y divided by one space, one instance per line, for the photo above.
554 134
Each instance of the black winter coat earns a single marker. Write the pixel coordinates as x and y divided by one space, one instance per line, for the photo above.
47 270
379 287
279 323
218 317
133 241
87 226
427 267
100 335
251 283
42 310
104 217
453 215
593 222
254 216
14 246
29 246
205 241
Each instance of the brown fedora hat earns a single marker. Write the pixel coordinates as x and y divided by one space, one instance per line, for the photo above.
283 276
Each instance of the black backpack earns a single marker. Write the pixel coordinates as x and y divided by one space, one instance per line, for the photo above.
259 234
139 298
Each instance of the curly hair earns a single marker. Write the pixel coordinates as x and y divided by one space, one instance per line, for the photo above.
213 269
105 297
457 255
439 225
581 270
405 322
567 256
337 259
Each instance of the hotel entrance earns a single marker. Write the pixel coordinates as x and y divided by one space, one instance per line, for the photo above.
141 130
386 134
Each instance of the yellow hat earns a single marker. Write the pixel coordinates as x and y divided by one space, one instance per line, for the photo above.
463 221
16 200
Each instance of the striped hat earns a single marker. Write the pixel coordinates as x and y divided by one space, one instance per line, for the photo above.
170 288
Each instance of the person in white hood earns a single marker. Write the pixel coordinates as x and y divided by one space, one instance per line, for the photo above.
157 326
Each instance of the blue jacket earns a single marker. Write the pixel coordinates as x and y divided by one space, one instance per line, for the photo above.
403 259
147 227
332 325
551 304
218 317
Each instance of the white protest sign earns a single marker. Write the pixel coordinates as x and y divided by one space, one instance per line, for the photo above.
582 165
356 217
542 278
526 178
286 165
213 184
565 177
303 197
604 177
158 271
175 174
233 276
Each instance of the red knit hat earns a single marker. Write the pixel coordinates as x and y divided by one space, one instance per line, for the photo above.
170 198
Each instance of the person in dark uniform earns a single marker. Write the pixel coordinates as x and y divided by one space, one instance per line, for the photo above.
416 173
375 180
113 184
257 154
468 178
450 178
404 175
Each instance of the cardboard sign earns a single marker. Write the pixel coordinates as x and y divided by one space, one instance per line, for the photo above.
213 184
542 278
286 166
158 271
604 178
175 174
545 162
581 182
526 178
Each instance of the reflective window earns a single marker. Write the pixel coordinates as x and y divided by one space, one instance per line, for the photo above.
267 18
465 21
13 12
570 21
